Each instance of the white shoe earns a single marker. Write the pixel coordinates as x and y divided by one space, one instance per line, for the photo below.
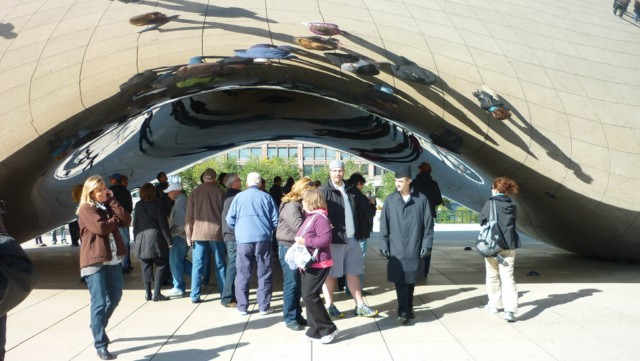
328 338
174 292
509 317
490 309
266 312
243 313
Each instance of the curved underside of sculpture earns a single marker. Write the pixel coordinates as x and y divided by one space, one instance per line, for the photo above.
85 90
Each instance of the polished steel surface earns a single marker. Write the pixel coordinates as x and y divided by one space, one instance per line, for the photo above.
87 88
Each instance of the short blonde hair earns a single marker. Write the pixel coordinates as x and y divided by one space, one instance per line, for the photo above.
295 195
93 183
314 199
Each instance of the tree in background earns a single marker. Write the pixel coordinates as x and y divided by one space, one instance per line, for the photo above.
268 169
350 167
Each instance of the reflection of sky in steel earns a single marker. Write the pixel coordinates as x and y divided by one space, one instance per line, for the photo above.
451 161
90 154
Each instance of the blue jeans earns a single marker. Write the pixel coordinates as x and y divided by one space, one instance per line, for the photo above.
124 233
291 290
105 288
229 291
179 263
200 251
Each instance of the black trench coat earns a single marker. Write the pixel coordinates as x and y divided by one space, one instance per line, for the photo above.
405 228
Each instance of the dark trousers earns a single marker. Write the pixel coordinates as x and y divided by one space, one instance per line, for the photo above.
320 323
229 291
160 272
404 292
74 232
3 336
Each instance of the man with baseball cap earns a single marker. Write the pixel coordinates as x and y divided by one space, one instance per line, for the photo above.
345 248
178 261
203 228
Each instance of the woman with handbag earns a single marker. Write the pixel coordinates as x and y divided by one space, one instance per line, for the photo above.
153 239
101 253
315 234
291 216
501 284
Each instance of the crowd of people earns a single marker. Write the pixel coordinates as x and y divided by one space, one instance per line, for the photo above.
239 229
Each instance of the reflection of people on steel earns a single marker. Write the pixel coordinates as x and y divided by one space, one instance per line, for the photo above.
145 132
155 18
318 43
408 70
353 63
263 52
199 72
326 29
490 103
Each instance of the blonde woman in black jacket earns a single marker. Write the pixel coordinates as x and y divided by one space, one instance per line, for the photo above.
501 284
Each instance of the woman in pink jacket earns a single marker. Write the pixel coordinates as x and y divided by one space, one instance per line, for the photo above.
315 233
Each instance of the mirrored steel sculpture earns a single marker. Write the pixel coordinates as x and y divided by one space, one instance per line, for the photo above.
98 87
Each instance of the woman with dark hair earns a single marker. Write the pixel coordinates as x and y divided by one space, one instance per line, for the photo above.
501 284
291 216
153 239
287 186
101 253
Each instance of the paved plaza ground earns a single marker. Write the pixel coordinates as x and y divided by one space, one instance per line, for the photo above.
576 309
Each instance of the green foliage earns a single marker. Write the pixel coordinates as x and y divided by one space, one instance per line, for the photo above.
461 215
350 167
268 169
321 174
191 177
388 186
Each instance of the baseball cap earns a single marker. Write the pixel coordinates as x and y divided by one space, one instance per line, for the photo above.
173 187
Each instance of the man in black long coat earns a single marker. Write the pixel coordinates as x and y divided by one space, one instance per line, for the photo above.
424 184
406 237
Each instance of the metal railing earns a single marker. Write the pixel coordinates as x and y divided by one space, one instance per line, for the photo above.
465 216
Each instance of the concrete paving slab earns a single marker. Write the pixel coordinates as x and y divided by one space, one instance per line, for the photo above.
576 309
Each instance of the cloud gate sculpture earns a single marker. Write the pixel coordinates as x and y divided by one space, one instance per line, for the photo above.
96 87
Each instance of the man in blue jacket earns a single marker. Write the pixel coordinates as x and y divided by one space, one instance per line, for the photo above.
253 216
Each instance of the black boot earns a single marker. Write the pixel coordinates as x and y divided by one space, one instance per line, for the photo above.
147 290
157 296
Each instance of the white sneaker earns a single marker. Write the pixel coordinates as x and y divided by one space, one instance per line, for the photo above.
490 309
328 338
266 312
174 292
509 317
243 313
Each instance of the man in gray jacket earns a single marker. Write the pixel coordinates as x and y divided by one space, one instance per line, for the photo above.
233 183
406 236
178 261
